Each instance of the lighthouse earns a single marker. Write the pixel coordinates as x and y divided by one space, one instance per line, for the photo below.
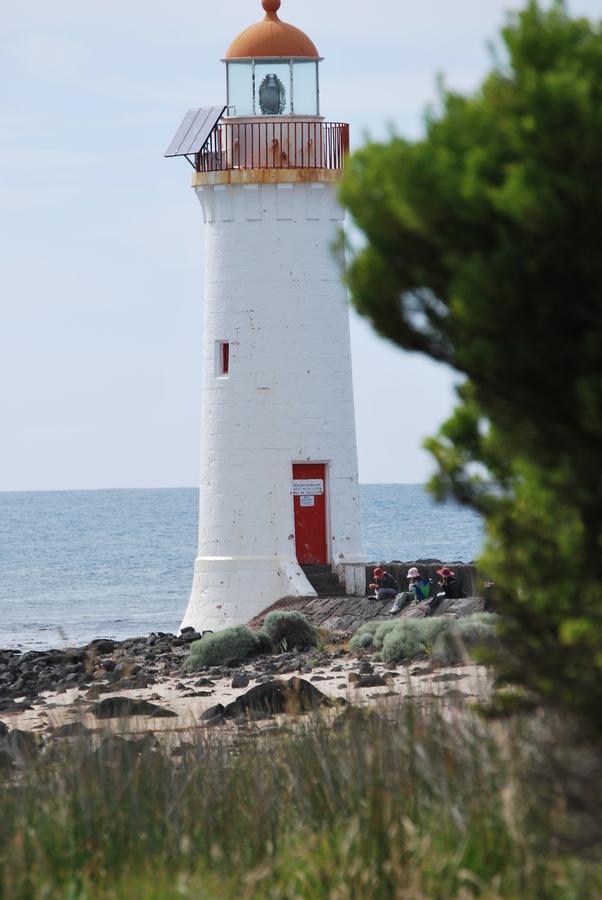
279 497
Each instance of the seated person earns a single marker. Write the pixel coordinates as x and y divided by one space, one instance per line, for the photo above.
448 589
420 589
384 584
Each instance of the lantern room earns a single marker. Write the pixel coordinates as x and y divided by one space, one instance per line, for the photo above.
272 69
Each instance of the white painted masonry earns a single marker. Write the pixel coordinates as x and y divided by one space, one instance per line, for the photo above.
272 290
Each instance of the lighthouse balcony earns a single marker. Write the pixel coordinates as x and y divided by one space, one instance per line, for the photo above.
275 144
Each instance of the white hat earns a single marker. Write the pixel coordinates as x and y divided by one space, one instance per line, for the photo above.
413 572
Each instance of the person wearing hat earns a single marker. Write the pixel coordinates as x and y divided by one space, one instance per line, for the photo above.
447 585
419 590
384 584
448 589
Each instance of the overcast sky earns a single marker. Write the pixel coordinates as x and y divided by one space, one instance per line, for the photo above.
101 239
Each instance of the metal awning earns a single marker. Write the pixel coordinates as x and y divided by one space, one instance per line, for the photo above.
194 131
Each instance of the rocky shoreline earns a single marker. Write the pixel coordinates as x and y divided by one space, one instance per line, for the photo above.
139 688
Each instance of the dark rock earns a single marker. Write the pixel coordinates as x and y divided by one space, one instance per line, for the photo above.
119 707
204 682
240 681
353 676
3 730
102 646
97 689
189 637
296 696
213 712
13 706
455 694
366 669
71 729
286 667
118 751
369 681
448 676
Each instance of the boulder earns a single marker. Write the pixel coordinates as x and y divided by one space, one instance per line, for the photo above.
71 729
369 681
293 697
214 712
121 707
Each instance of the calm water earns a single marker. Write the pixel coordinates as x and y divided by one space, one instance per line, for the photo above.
75 565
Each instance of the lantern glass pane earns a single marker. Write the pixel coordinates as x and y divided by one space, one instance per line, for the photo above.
305 88
240 89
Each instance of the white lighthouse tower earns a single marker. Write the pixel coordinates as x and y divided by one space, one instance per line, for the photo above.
278 486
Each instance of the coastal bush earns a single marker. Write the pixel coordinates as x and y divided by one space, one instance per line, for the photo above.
361 641
220 647
364 636
289 631
457 642
381 632
446 639
404 641
479 235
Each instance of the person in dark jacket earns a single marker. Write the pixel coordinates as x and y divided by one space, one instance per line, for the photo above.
384 585
448 589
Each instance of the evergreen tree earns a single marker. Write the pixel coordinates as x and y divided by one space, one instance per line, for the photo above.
484 250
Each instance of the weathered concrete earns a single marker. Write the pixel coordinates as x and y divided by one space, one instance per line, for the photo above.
344 615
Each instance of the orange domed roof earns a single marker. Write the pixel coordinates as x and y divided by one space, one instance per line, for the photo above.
271 38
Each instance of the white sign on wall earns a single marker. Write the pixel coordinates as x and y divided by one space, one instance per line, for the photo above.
304 487
307 501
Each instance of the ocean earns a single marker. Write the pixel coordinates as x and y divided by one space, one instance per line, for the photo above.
76 565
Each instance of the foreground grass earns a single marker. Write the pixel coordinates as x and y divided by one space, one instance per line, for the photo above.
411 804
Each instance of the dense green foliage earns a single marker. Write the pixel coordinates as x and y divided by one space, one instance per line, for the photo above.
408 804
220 647
446 639
282 630
483 252
289 630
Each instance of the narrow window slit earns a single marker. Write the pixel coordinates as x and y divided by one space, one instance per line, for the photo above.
223 358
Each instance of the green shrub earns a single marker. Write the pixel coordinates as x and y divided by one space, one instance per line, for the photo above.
289 630
381 632
405 640
364 636
361 641
216 649
457 642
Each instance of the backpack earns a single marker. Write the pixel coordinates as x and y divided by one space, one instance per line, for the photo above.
423 590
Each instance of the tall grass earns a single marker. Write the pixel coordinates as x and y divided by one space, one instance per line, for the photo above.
412 804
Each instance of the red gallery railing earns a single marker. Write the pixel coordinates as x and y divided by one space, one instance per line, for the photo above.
274 145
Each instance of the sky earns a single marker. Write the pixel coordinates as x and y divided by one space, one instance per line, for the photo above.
101 238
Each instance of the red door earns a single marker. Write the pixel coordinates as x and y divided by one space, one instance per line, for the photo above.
309 490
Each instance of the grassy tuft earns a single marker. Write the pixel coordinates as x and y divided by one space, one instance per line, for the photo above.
407 804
